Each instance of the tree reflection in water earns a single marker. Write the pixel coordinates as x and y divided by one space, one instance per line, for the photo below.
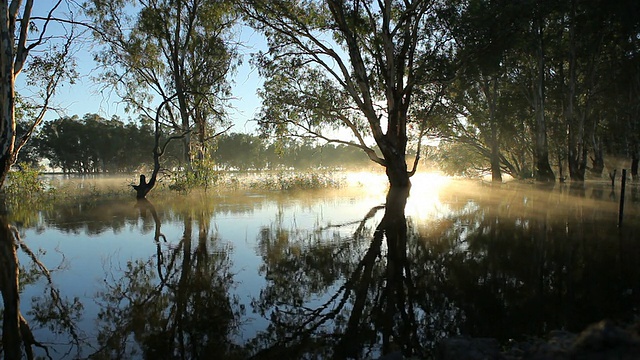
371 312
50 309
507 265
498 262
183 309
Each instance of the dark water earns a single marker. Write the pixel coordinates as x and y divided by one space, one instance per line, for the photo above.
325 274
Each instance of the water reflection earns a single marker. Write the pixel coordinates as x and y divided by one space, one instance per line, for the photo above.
49 308
323 277
361 288
507 264
177 304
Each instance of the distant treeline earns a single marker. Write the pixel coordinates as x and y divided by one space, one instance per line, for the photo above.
93 144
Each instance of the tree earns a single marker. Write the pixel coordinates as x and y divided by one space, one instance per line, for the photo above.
94 144
483 32
61 143
239 151
47 71
538 86
350 65
177 50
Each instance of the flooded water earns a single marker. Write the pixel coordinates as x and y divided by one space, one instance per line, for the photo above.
326 274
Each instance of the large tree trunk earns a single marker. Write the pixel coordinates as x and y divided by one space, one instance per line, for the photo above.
577 157
490 89
397 173
7 93
575 124
543 169
11 340
396 165
597 160
202 138
496 172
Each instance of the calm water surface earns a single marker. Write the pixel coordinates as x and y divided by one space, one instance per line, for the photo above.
327 274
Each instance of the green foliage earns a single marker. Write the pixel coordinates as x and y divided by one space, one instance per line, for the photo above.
458 159
347 66
25 192
203 175
247 152
181 53
557 87
297 181
95 144
24 184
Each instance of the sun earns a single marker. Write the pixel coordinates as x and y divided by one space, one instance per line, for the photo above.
424 199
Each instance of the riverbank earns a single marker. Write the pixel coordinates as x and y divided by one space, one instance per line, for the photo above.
602 340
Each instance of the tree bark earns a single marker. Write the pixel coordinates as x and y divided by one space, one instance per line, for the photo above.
543 169
597 161
143 187
491 95
7 90
395 162
11 339
575 124
634 165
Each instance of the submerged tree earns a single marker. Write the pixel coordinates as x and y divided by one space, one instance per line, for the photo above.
353 65
179 51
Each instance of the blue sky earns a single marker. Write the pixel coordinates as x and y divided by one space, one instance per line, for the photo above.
85 96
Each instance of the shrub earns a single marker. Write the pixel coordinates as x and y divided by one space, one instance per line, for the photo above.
24 183
202 175
297 181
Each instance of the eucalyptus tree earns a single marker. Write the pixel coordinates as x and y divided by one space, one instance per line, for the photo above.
353 66
615 104
92 144
175 52
535 63
22 33
578 33
588 44
480 91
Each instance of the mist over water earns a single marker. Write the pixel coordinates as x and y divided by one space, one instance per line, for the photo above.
295 273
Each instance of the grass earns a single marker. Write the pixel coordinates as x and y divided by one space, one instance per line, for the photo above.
267 181
287 181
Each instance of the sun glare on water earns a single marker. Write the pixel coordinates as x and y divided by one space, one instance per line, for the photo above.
424 199
375 183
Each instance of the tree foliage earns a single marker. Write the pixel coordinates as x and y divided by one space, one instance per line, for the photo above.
95 144
352 65
21 35
539 71
178 53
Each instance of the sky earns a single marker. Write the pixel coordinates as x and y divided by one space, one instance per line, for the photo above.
86 96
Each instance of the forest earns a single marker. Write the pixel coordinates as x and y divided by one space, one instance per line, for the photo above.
404 262
533 89
95 145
